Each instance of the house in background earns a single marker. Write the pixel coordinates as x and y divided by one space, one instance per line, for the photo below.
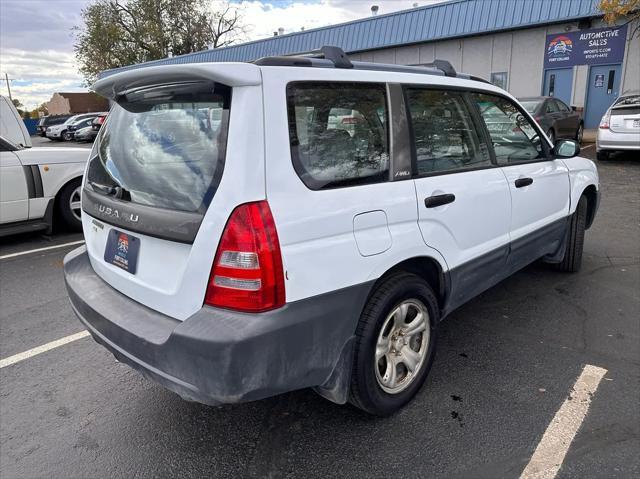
73 103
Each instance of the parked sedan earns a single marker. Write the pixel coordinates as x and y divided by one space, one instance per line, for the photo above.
57 132
88 133
555 117
78 125
620 126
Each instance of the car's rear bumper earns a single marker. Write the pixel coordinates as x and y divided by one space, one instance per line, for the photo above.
218 356
609 140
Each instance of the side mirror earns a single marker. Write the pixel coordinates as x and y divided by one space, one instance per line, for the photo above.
573 108
566 148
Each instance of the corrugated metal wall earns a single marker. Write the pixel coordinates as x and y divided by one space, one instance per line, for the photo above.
452 19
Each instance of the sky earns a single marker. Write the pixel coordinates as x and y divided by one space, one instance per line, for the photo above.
36 38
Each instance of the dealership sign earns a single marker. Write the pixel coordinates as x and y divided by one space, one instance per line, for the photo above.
585 47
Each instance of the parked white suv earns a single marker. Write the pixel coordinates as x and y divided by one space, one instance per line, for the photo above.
275 250
61 132
38 186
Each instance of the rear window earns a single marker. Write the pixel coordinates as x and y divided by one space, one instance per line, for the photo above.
338 133
627 101
530 106
164 149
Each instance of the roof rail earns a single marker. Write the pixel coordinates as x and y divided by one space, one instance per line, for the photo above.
444 66
335 57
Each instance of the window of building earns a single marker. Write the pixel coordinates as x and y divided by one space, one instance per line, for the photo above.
499 79
445 135
338 133
514 137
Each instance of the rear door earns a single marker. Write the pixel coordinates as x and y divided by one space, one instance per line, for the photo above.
539 184
339 215
154 203
554 118
464 207
567 119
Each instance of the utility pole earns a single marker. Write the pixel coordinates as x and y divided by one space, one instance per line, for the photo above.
6 78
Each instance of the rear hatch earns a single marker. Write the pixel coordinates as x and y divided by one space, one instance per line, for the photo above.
625 115
154 175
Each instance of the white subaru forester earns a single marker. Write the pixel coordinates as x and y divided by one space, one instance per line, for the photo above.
257 228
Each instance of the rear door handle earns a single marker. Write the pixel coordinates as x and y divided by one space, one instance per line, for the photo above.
521 182
439 200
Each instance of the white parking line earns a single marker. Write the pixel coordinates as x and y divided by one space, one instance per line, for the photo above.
37 250
552 449
588 146
16 358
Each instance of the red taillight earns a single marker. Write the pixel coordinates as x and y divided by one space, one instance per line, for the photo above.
604 123
247 271
101 120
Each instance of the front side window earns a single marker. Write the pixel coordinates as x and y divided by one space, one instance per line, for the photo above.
445 135
514 137
338 133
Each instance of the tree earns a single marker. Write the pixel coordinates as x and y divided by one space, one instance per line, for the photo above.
17 103
122 32
613 10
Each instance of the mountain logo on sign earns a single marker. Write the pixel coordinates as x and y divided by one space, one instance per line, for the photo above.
560 46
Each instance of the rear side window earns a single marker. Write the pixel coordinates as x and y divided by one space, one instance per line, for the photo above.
338 133
445 135
164 149
551 107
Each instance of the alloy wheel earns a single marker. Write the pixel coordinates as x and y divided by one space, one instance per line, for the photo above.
402 346
74 203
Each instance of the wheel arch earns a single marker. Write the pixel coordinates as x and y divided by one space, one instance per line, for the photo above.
426 267
62 187
591 193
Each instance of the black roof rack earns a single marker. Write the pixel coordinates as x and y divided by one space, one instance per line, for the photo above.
335 57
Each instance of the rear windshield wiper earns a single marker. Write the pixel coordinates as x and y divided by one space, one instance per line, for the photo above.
118 191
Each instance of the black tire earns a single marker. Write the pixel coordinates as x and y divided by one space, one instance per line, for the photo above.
63 206
66 136
580 133
603 155
365 392
572 259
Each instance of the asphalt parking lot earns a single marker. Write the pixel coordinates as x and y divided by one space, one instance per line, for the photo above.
505 364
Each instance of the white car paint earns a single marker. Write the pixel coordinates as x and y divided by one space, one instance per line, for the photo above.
333 239
55 167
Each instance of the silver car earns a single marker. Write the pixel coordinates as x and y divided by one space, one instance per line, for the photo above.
620 126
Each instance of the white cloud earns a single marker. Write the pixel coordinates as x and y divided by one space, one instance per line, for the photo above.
35 75
264 18
37 49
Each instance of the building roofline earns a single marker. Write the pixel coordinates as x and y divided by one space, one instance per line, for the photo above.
465 10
